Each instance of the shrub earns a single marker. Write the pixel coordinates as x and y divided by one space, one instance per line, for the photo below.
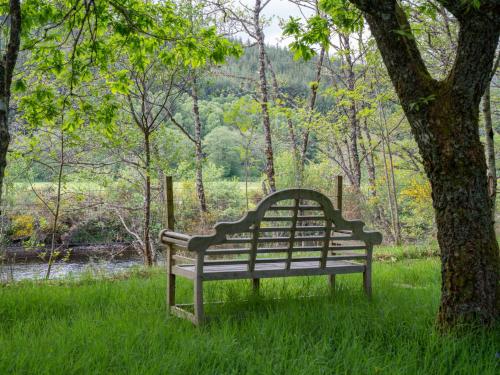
23 226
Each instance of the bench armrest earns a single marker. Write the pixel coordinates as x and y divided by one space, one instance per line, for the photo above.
168 237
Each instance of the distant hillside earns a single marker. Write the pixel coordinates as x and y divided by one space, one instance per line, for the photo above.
239 76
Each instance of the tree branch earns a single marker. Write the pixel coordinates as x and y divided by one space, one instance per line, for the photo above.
391 29
477 42
10 56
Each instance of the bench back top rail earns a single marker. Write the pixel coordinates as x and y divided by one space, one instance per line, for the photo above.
293 224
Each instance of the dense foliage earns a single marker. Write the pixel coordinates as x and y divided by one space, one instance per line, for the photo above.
110 97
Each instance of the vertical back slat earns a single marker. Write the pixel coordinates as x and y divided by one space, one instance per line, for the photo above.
292 233
326 243
339 193
253 247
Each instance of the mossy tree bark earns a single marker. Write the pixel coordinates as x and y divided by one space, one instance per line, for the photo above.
7 64
444 120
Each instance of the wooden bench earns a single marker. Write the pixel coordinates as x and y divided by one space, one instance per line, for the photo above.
293 232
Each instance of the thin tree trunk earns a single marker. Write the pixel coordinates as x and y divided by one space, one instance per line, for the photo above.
397 223
389 192
200 189
7 65
4 140
372 176
161 181
352 114
289 122
312 104
264 98
370 162
148 251
247 164
57 210
389 175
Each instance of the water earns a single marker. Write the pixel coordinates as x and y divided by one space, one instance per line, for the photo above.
37 271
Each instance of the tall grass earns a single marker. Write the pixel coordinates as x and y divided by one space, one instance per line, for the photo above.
119 326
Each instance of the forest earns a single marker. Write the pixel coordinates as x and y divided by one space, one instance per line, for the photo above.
93 137
392 107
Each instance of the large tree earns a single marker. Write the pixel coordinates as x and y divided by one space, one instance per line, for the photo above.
8 59
443 115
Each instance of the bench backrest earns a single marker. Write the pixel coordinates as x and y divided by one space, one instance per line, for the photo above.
289 225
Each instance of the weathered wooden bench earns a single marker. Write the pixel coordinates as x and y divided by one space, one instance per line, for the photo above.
294 232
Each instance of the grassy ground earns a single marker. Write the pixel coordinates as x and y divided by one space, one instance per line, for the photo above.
120 326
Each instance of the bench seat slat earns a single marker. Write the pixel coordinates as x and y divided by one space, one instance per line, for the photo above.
283 260
263 270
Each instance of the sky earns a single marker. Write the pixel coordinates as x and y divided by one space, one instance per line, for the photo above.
276 10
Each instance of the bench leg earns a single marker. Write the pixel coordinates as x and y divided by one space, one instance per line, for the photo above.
331 282
256 285
198 301
367 282
170 291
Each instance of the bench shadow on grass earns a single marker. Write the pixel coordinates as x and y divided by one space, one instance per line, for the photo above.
235 303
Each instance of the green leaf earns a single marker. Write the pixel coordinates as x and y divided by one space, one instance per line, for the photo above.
19 86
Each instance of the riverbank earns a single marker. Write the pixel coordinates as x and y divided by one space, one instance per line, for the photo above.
118 325
80 253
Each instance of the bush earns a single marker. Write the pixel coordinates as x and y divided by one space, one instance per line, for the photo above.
22 227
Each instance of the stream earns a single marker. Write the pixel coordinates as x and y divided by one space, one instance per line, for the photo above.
36 271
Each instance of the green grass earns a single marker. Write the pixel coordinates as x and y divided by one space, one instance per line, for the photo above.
120 326
394 253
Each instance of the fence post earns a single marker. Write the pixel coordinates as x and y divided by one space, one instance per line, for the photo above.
169 223
169 201
339 193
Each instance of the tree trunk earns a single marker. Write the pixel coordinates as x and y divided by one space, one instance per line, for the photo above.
379 216
57 208
370 162
289 122
490 151
352 113
443 116
312 104
264 98
200 189
469 251
148 251
391 190
4 140
7 65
